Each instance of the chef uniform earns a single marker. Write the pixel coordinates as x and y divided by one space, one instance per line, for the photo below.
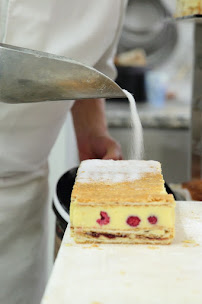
86 31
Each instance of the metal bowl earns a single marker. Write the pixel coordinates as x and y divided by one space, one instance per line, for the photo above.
145 27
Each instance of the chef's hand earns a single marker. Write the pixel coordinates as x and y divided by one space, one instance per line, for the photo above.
92 135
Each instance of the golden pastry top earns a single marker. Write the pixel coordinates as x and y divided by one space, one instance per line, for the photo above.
108 182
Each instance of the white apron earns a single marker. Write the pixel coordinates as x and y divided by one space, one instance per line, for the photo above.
84 30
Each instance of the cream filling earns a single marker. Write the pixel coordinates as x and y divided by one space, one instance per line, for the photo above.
87 216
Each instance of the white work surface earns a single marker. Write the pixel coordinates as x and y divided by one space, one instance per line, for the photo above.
129 274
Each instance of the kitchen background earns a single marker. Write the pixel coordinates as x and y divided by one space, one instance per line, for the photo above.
161 60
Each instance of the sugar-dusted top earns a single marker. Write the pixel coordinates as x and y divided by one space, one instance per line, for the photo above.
118 171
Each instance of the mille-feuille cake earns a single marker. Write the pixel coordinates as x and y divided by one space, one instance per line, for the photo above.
188 7
121 202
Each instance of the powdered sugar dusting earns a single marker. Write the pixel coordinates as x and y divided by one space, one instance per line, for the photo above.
115 171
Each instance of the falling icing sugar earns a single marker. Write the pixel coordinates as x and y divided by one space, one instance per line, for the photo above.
137 145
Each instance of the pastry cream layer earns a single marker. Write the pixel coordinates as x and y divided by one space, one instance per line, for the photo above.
88 216
188 7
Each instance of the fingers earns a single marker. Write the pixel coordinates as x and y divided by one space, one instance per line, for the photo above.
114 152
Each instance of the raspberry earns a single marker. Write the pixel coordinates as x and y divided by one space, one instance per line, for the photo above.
104 220
133 221
109 236
152 219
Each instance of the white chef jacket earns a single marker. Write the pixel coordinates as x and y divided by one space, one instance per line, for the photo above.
84 30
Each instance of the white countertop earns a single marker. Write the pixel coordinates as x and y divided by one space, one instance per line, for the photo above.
127 274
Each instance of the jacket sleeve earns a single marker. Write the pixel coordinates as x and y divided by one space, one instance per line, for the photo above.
106 63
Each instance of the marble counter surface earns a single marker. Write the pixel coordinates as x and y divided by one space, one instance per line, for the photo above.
173 114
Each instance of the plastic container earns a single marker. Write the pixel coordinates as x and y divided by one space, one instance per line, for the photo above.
156 87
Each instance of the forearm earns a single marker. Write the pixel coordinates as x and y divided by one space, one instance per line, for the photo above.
89 117
90 125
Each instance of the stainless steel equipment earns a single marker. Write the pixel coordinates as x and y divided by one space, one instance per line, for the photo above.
32 76
196 147
196 107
